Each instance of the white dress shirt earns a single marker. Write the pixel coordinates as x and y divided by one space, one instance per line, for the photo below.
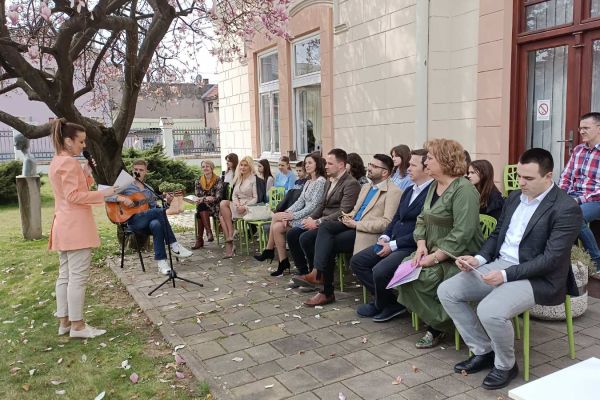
509 251
417 190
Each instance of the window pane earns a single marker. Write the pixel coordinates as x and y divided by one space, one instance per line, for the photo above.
268 68
595 8
548 14
265 122
546 101
595 106
275 132
308 118
308 56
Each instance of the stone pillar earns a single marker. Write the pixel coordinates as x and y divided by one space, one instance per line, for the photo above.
28 190
166 125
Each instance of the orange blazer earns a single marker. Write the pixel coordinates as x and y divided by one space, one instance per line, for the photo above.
73 227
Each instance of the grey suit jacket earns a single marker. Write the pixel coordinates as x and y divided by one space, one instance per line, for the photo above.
342 198
545 249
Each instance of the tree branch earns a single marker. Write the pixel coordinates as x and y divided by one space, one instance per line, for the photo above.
90 81
30 131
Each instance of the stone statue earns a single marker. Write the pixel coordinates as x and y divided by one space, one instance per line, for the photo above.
22 144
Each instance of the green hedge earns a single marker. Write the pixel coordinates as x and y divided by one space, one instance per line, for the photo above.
8 184
162 169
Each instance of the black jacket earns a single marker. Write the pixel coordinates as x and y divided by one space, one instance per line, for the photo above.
545 248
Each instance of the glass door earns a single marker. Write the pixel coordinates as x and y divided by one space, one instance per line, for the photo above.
547 102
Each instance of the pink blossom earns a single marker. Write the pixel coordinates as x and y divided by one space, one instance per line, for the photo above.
45 11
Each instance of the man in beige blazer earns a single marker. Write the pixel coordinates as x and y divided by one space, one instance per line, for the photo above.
353 232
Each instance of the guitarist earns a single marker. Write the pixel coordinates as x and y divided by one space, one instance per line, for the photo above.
151 221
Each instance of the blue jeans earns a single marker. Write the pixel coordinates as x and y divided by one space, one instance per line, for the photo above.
151 222
591 212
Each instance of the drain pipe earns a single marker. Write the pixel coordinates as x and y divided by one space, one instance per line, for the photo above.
422 73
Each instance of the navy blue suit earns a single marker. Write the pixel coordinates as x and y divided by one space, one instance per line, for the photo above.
375 272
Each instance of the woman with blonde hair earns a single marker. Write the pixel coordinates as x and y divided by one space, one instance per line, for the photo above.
73 233
448 223
209 189
244 194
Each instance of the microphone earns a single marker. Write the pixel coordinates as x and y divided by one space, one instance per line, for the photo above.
90 160
136 174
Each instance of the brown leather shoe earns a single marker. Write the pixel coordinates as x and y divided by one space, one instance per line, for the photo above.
199 244
319 299
309 279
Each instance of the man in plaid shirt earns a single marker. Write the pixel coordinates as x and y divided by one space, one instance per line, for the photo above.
581 179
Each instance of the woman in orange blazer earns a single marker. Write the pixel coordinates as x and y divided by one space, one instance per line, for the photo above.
73 233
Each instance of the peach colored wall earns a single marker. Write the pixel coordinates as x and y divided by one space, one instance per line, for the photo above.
317 18
493 83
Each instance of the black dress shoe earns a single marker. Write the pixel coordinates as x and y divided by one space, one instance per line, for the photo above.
497 378
389 313
368 310
475 363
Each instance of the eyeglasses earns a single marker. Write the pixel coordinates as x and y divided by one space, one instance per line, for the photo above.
376 166
585 128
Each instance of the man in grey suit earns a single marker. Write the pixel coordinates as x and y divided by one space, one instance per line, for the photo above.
525 261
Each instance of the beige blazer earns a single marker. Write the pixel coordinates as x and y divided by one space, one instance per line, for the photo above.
378 214
73 227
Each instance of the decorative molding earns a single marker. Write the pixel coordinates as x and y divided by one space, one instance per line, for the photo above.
302 4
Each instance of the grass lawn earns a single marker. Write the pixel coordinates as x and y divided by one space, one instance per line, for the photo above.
35 363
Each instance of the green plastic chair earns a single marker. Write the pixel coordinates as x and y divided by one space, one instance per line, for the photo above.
511 181
340 261
276 195
487 224
570 336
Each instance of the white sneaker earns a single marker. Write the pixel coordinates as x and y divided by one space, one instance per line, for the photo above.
180 251
163 267
63 330
87 332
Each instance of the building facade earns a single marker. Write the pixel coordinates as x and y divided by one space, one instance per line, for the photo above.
500 76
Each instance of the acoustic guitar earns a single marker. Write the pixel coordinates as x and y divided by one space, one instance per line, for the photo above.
119 213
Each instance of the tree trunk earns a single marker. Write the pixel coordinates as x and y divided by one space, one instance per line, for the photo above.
107 153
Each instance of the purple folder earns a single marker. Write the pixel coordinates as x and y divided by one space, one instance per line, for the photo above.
402 271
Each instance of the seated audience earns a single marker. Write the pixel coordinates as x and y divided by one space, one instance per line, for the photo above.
481 174
377 202
264 173
525 261
341 192
449 221
310 198
153 221
245 193
356 167
581 180
209 188
401 156
293 194
285 178
375 266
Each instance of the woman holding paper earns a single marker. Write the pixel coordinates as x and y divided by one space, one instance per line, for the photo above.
449 221
73 233
209 189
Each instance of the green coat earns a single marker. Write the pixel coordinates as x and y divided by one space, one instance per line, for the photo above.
453 225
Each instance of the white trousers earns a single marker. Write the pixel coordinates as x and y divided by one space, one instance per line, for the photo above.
73 274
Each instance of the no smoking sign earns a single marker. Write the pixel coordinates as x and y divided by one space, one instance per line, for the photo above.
543 110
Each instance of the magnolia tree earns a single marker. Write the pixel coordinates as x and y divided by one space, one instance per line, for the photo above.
65 53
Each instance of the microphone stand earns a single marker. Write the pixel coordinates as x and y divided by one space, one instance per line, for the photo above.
172 273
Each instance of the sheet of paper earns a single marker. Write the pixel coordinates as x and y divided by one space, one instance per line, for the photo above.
191 199
123 180
414 275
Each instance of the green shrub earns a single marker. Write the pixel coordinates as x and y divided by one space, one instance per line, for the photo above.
170 187
8 184
162 169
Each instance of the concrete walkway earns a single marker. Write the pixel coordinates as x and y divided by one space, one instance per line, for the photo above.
249 337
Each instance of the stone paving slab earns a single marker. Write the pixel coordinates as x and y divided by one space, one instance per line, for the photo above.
250 337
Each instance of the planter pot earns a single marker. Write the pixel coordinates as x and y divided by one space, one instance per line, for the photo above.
578 304
176 206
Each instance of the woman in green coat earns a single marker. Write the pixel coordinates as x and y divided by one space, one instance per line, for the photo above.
449 221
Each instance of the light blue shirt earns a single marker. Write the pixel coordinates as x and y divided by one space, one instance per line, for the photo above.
403 182
285 181
365 203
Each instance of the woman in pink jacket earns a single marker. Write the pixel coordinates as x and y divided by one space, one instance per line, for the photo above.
73 233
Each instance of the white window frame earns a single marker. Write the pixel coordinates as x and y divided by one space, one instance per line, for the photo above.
311 79
270 88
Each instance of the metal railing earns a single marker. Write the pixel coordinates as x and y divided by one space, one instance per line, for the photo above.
196 141
7 146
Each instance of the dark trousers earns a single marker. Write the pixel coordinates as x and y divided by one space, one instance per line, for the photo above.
332 238
375 273
153 222
293 240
